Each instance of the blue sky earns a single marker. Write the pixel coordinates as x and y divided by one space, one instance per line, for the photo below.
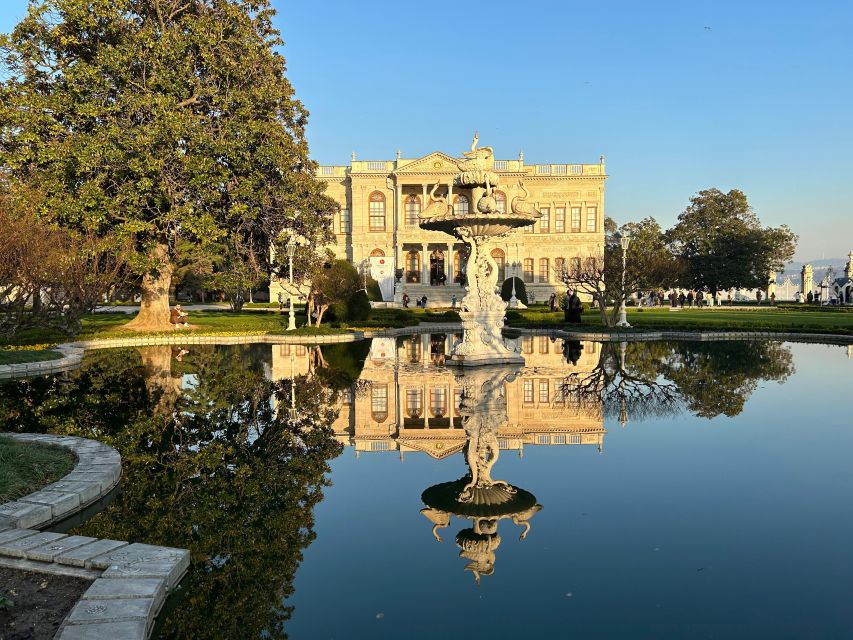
678 96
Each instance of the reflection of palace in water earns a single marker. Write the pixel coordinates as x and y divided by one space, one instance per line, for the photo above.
406 400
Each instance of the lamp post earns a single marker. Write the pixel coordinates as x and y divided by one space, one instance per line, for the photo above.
292 415
625 240
291 249
623 407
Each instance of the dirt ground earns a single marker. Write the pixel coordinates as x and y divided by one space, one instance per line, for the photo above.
39 603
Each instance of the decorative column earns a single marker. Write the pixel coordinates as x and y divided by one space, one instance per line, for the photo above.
424 198
424 264
398 220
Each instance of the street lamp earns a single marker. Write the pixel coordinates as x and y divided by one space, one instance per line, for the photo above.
291 249
625 240
291 413
623 405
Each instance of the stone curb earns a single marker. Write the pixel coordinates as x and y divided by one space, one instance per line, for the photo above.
97 471
131 580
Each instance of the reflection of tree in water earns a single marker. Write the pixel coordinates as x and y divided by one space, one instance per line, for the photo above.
212 467
640 380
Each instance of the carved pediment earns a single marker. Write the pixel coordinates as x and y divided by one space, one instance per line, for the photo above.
436 162
436 448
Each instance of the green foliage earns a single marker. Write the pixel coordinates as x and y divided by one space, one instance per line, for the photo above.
722 245
374 293
520 290
338 286
160 121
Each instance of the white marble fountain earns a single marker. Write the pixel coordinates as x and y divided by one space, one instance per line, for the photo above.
482 309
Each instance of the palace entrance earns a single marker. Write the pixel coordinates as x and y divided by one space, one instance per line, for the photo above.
437 275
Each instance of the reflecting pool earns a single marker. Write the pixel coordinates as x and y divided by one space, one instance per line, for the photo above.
366 490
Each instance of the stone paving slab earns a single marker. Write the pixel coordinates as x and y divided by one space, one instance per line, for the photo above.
18 548
126 588
80 556
14 534
130 630
25 516
48 552
86 491
61 504
110 610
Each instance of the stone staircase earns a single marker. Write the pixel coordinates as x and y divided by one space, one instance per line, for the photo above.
440 296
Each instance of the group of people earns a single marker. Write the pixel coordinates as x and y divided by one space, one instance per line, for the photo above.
572 306
421 302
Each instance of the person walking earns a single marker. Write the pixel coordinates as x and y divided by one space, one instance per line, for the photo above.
552 302
690 299
681 299
405 300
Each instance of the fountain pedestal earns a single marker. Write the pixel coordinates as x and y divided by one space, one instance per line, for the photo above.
482 309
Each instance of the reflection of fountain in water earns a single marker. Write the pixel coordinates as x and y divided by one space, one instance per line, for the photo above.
477 496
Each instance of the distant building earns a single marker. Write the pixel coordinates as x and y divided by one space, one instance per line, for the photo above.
380 201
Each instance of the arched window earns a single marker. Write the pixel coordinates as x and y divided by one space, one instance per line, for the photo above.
590 266
460 206
413 349
376 204
500 199
379 402
438 402
412 208
559 267
500 259
414 403
413 266
543 270
377 253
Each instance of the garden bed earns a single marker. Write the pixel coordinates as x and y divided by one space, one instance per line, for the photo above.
33 605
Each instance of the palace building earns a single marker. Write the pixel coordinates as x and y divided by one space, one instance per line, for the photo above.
380 201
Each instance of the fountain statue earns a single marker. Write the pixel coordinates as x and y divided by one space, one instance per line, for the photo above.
482 309
477 496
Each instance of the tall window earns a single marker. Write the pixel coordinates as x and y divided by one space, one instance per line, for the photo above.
414 403
413 209
500 200
543 270
379 402
560 219
528 392
543 391
438 402
528 269
590 266
576 219
500 259
527 344
544 341
545 220
591 218
576 266
460 206
345 221
559 266
377 211
413 266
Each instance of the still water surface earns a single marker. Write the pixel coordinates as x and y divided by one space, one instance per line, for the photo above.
647 490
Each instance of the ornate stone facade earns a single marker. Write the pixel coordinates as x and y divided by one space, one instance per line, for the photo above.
381 202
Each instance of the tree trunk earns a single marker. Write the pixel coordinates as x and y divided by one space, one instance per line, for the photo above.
154 308
163 388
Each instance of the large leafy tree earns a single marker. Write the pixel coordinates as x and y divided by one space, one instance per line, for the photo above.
159 121
723 245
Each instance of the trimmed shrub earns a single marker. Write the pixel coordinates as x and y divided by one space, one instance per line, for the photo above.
520 290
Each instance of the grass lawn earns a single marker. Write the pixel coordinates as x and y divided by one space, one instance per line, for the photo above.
14 356
26 467
719 319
